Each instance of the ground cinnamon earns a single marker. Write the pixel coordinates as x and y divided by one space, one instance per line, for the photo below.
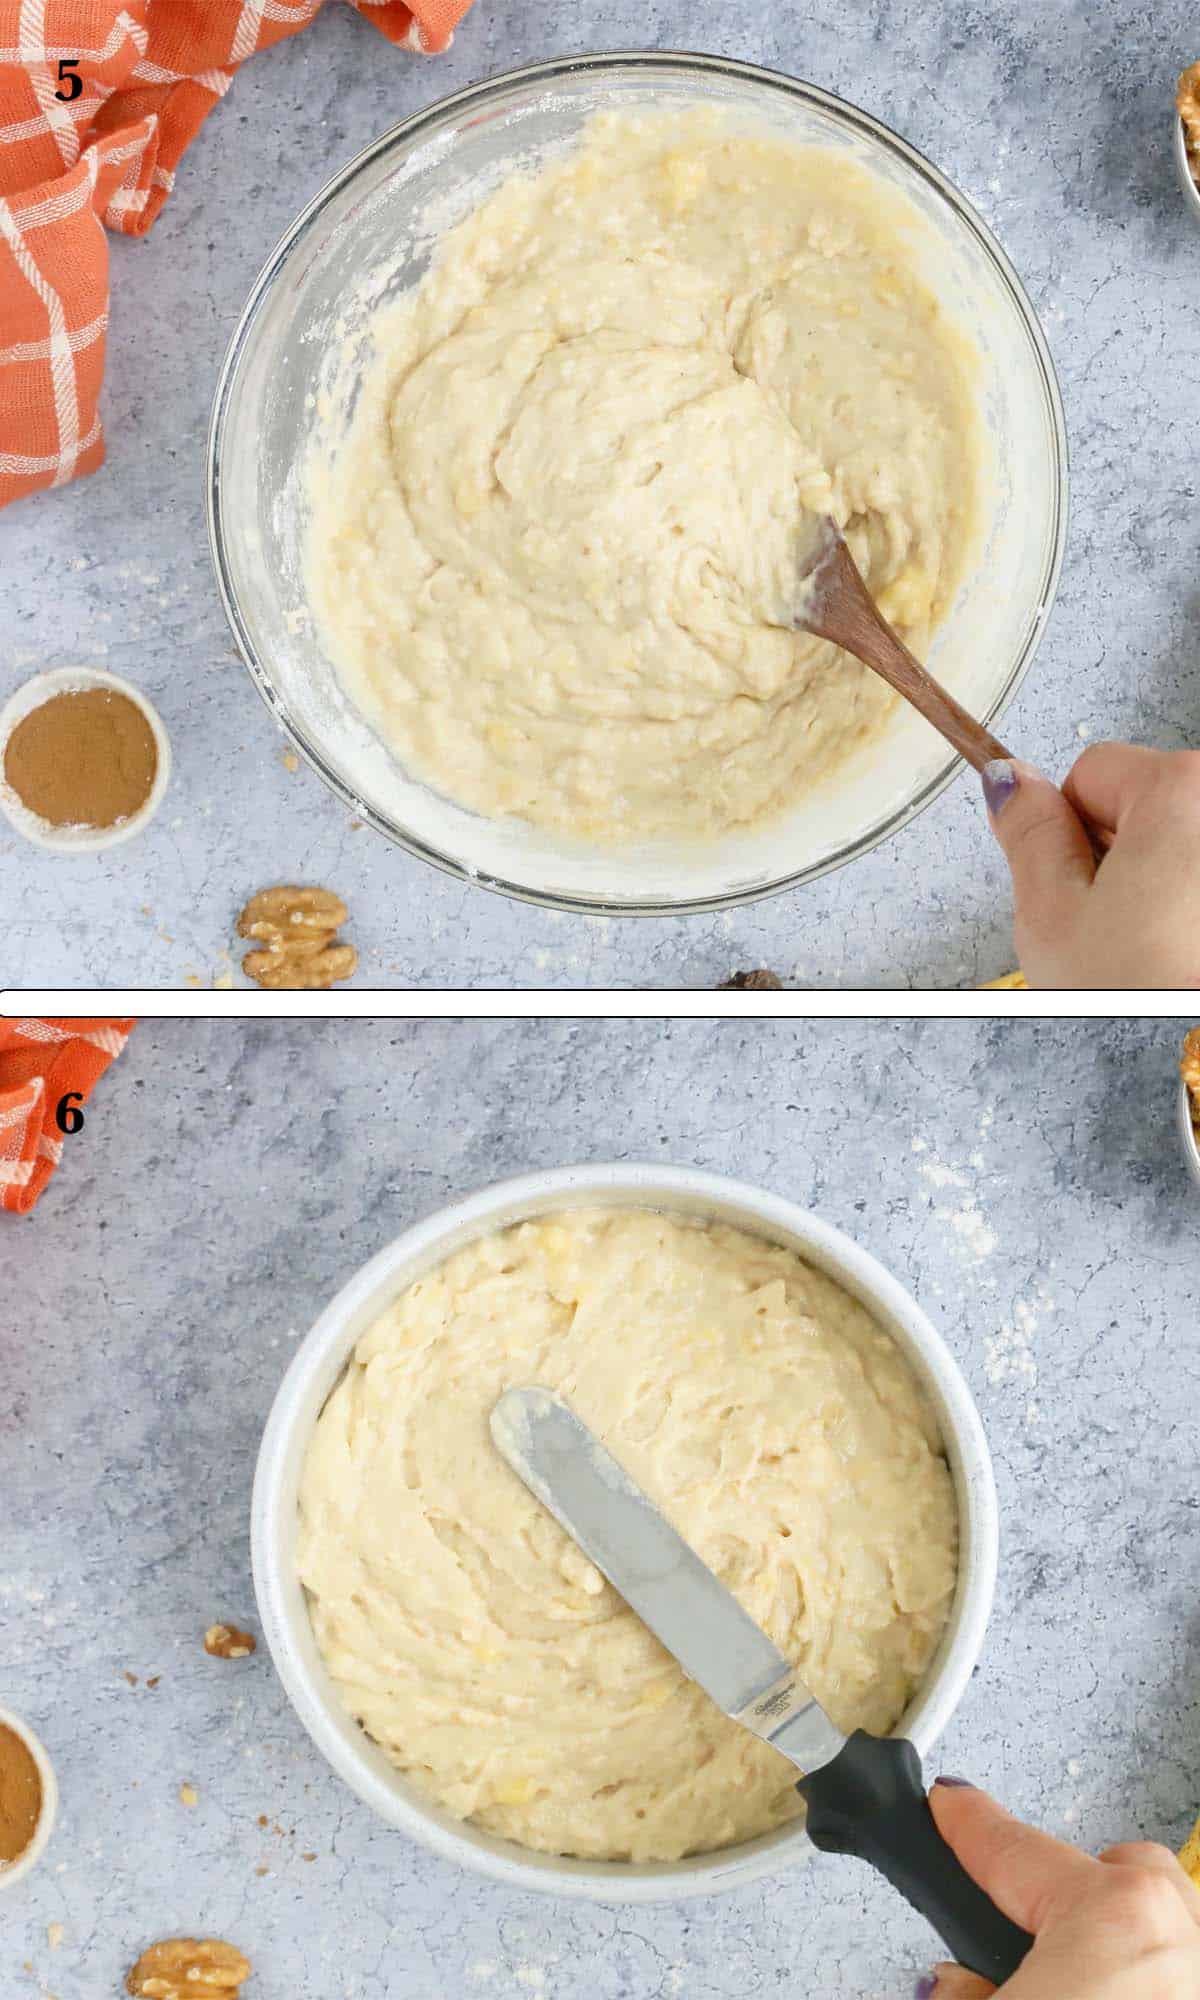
86 757
20 1795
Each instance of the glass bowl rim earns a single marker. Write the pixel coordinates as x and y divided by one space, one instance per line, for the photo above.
681 63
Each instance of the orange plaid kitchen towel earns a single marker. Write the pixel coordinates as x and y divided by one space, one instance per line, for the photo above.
99 101
41 1063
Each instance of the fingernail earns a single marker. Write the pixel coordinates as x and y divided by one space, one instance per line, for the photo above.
960 1784
999 783
927 1987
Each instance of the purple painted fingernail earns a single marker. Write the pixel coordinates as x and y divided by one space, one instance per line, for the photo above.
999 783
960 1784
927 1987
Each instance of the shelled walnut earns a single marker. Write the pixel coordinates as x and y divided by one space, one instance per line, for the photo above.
298 927
225 1642
183 1968
761 981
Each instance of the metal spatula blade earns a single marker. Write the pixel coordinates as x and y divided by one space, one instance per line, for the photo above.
865 1794
659 1575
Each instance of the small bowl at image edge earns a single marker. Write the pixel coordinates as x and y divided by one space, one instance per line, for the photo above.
366 237
1187 1132
16 1871
1183 167
317 1367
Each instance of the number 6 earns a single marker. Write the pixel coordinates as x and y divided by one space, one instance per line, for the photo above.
68 1116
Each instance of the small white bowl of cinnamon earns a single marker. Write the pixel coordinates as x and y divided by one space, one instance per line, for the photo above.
28 1799
84 760
1189 1101
1187 136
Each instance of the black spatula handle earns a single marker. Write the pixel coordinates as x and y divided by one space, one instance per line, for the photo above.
870 1801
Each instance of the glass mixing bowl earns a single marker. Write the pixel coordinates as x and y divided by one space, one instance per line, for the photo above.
370 234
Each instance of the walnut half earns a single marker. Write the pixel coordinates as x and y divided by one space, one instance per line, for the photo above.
761 981
286 915
299 928
225 1642
183 1968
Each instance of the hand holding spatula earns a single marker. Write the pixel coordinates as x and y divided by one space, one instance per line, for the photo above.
865 1794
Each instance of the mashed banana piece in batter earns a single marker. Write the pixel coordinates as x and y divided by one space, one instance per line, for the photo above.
760 1406
554 559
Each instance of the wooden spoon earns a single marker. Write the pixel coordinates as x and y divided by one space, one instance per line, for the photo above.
834 603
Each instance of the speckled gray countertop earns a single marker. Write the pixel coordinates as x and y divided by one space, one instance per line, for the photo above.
1054 120
1024 1180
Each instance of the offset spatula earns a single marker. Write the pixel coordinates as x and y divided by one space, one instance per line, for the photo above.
864 1794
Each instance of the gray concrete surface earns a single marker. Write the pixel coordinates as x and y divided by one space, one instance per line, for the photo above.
1023 1179
1054 120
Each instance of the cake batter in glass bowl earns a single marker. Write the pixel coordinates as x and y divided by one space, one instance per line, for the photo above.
513 444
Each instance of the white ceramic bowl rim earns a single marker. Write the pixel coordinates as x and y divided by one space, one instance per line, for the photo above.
32 694
409 130
1191 193
18 1869
319 1363
1187 1130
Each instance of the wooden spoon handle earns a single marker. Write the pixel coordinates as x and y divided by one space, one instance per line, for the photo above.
938 705
837 605
840 607
865 626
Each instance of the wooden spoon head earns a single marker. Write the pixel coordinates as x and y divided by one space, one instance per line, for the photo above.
832 601
817 541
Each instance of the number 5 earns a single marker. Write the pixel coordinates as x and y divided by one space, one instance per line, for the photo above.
74 83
